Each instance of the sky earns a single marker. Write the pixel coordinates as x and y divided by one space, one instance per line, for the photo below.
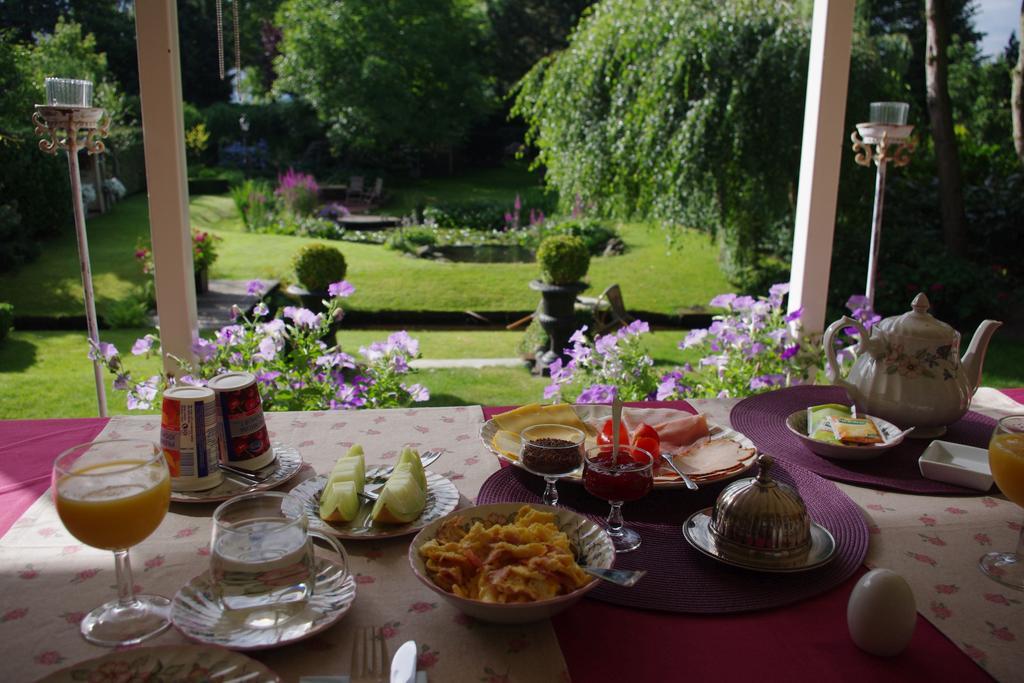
997 19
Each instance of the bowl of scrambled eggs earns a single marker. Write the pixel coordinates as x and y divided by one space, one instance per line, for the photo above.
510 563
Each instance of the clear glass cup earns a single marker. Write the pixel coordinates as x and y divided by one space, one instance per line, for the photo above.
68 92
112 494
893 113
618 479
551 451
1006 458
262 555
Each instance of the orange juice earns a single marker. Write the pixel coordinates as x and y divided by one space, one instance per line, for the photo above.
114 505
1006 458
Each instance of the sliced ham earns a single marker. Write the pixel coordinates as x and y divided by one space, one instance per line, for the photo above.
682 431
710 457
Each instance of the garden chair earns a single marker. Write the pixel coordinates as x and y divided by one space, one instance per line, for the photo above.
376 193
608 309
355 190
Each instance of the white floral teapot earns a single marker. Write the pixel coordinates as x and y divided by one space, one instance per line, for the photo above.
908 370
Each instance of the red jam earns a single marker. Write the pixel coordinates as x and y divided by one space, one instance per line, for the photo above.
622 481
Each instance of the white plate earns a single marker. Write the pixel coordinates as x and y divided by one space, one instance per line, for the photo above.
200 616
285 466
957 464
698 533
892 435
596 414
442 498
589 541
167 663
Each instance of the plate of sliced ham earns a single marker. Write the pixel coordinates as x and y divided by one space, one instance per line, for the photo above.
705 451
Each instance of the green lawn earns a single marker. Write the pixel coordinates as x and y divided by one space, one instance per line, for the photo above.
653 278
46 374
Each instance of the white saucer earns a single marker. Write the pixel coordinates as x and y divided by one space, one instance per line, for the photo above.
200 616
282 468
698 534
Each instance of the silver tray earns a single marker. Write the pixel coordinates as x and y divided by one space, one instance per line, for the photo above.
285 465
698 534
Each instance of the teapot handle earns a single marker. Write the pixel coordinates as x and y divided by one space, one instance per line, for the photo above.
832 367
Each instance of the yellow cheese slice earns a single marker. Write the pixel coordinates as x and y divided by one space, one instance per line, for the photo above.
519 419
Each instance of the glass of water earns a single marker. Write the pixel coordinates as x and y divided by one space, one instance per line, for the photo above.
261 555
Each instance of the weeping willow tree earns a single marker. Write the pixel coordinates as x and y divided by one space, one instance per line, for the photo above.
689 112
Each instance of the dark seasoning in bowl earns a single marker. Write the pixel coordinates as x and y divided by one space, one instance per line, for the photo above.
549 455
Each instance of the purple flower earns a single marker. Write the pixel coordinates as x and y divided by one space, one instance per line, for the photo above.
722 300
693 338
552 390
261 310
341 288
230 335
204 350
141 398
192 380
104 351
578 337
303 317
635 328
255 288
606 344
777 292
789 352
267 377
794 315
268 349
417 392
743 303
121 381
597 393
142 346
767 381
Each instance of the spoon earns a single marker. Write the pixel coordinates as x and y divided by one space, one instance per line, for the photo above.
686 480
620 577
616 425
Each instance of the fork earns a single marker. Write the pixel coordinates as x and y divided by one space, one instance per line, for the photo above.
370 660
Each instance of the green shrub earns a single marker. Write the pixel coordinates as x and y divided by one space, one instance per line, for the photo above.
16 248
318 265
563 259
474 214
128 313
24 173
594 233
409 239
256 204
6 320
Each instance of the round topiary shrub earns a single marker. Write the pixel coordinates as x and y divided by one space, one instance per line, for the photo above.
563 259
318 265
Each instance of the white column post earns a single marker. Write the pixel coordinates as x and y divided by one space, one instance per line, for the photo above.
828 71
156 26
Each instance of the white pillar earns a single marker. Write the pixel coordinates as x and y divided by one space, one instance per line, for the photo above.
828 71
156 26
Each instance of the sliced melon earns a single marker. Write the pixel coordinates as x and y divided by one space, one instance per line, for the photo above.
402 499
339 502
412 457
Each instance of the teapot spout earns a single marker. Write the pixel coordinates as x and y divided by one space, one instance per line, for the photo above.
974 358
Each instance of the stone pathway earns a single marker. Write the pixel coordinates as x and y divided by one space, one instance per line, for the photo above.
214 307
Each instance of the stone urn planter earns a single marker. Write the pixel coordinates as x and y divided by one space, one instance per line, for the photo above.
202 276
557 317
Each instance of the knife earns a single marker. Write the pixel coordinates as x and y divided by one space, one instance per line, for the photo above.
403 666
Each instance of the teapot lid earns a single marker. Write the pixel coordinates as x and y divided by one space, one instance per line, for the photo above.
919 323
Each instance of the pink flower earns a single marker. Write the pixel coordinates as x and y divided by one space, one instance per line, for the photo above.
186 532
28 573
990 502
983 539
923 558
49 657
934 540
203 551
940 610
73 617
1000 599
364 579
927 520
975 654
1002 633
875 507
46 532
947 588
154 562
14 614
956 511
874 529
85 575
472 460
1014 526
374 554
389 630
427 658
70 549
518 645
421 607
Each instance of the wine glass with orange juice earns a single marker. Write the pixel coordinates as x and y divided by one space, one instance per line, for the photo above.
112 494
1006 458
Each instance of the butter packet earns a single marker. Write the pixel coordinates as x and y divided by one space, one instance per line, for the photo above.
818 427
855 430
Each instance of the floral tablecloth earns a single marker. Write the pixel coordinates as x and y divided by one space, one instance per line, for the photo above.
50 580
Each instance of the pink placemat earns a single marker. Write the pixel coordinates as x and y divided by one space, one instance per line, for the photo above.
27 453
679 579
763 419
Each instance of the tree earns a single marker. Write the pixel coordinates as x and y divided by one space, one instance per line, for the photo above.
385 74
940 113
684 112
1017 96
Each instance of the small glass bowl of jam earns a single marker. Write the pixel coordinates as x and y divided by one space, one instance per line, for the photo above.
551 451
